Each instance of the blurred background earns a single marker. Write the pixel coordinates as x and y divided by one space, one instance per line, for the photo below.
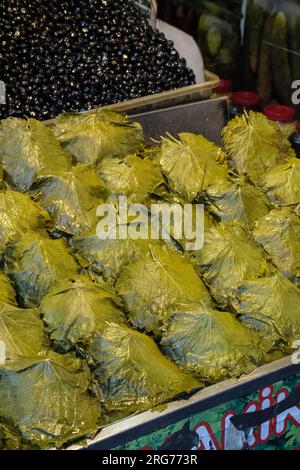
252 44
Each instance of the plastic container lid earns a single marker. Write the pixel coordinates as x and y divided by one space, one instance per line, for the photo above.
245 98
225 86
280 113
298 127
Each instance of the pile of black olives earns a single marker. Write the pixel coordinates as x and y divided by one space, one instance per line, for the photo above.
65 55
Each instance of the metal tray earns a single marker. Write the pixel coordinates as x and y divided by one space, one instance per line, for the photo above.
206 117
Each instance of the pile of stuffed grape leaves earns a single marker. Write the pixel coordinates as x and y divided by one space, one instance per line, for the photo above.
95 329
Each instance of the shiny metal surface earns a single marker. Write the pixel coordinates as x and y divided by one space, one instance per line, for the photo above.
203 117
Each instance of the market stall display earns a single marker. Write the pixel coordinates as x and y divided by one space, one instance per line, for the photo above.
119 324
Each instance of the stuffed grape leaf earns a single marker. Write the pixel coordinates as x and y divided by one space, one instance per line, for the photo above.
132 176
253 145
71 198
153 286
191 164
109 256
271 306
234 202
29 149
7 292
182 223
91 137
282 183
279 234
151 152
8 439
18 216
228 258
214 345
2 184
51 404
21 334
131 372
74 311
35 263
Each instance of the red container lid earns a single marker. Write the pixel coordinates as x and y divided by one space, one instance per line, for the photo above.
225 86
280 113
298 127
246 98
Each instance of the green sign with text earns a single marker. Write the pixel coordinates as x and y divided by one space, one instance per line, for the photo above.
214 429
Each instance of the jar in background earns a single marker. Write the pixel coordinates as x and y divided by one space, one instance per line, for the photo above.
295 140
243 101
283 115
223 89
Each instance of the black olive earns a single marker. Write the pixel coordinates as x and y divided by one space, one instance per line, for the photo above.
66 55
